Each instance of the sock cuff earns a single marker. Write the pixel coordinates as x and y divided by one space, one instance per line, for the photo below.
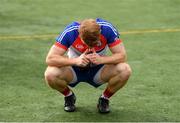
66 91
107 93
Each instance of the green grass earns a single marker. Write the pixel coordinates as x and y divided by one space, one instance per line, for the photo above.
152 93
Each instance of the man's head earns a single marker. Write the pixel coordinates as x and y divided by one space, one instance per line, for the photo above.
89 32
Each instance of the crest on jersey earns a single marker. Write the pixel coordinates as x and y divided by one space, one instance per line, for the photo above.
79 46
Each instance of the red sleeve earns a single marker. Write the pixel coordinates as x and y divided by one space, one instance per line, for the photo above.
116 42
60 45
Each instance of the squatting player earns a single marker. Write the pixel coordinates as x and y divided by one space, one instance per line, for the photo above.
86 43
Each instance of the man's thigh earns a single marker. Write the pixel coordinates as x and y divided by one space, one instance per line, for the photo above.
64 73
108 72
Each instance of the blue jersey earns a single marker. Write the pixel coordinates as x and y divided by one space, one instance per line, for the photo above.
69 39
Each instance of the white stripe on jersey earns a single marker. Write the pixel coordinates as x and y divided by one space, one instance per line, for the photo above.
109 25
66 31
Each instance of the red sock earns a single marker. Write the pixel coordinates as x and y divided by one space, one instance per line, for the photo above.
66 92
107 93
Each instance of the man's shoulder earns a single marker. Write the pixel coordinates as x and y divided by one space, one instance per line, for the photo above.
69 34
72 26
98 20
105 25
103 22
71 30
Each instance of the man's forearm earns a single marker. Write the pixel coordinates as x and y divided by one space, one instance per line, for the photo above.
60 61
113 59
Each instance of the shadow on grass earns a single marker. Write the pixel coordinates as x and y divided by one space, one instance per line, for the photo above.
91 114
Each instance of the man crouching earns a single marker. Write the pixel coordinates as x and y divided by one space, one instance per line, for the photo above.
86 43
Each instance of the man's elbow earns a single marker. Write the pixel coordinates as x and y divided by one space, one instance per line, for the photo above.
49 60
123 58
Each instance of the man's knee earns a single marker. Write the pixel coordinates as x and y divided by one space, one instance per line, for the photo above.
51 74
123 69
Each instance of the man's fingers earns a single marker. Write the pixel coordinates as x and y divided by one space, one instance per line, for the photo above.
86 60
86 51
88 56
93 50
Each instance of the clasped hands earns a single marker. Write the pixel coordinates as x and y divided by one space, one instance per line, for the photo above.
89 56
